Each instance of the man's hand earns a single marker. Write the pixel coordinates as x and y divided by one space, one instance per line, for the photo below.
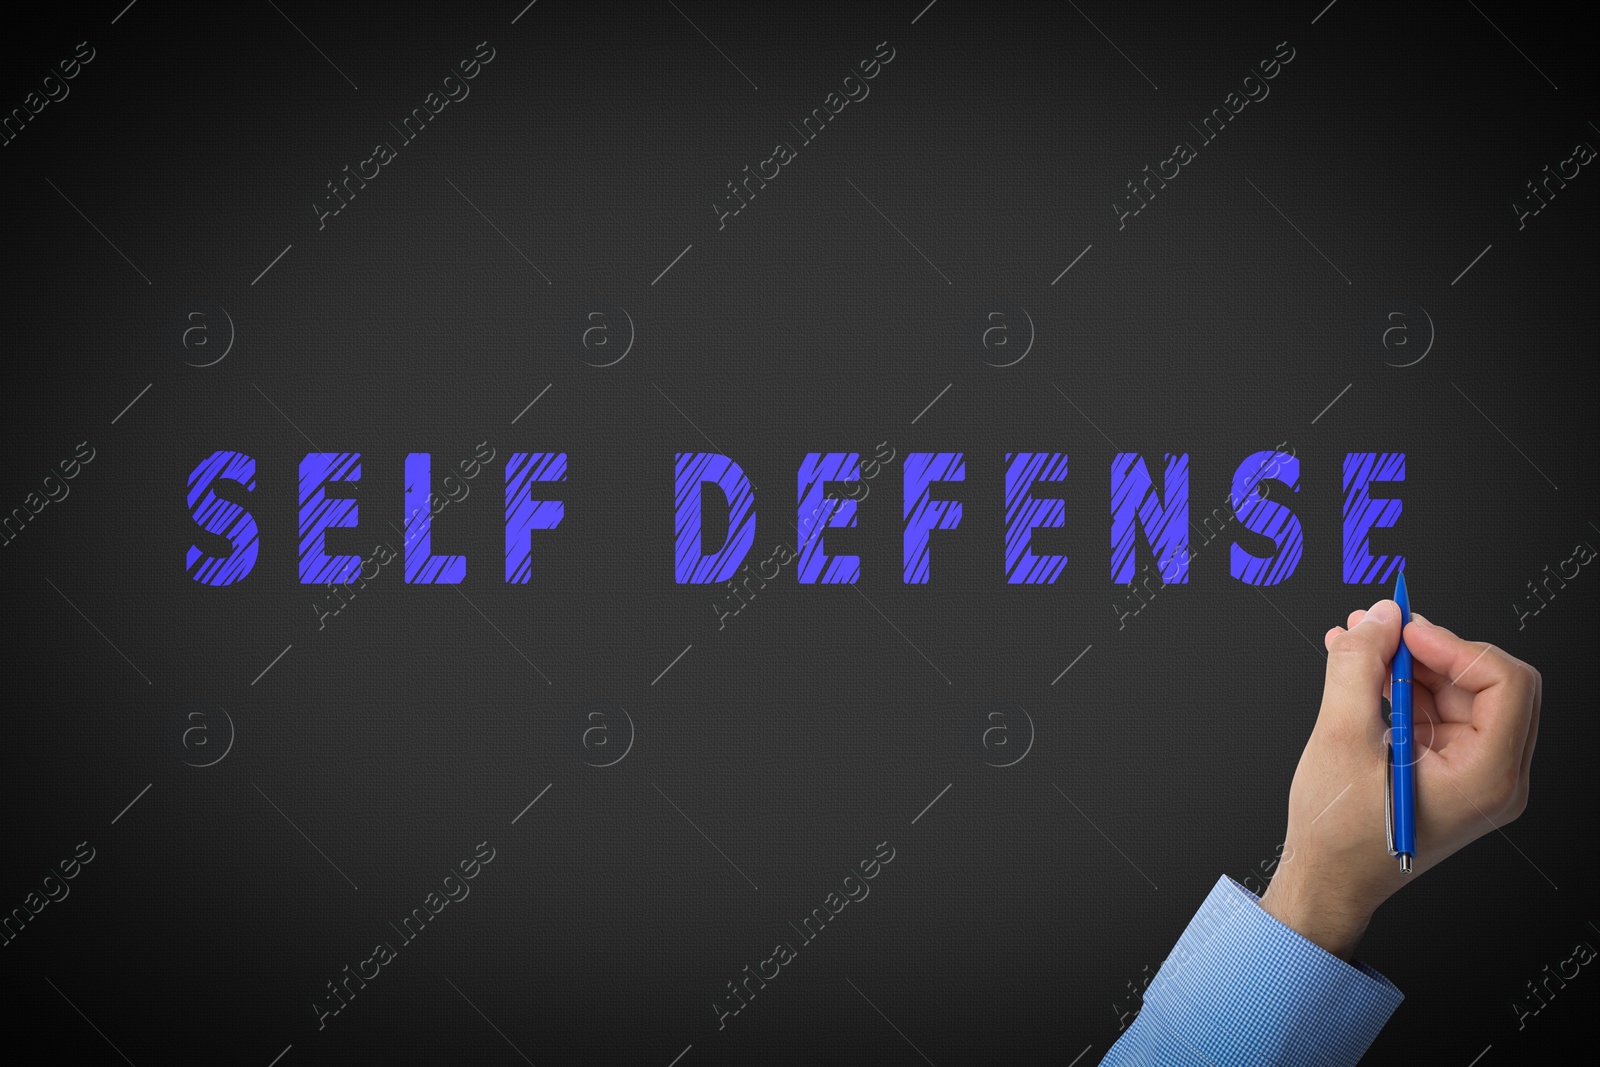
1476 721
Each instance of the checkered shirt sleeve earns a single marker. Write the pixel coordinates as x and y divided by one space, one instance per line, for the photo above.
1240 988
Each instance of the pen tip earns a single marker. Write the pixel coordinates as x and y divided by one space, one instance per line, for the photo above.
1402 598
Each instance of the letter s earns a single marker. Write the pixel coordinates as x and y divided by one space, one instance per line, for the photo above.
1270 519
224 518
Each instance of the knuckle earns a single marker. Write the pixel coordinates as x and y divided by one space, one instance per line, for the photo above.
1346 646
1510 667
1352 638
1523 679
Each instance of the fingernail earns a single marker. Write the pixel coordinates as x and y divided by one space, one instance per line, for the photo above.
1382 611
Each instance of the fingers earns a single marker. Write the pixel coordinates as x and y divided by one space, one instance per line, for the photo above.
1505 689
1470 665
1426 709
1358 667
1355 617
1533 731
1453 704
1433 738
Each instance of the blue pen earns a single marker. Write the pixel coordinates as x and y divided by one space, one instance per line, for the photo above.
1402 785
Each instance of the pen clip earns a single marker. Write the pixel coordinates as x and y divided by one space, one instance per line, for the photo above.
1388 789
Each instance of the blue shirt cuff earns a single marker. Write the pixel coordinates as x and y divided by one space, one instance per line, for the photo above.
1241 988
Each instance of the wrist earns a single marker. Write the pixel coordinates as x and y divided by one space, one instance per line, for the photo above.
1322 912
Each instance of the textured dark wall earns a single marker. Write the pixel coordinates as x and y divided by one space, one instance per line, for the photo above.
772 755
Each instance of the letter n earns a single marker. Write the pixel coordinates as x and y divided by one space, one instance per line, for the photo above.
1134 501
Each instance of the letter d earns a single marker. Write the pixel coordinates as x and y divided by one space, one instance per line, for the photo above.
693 470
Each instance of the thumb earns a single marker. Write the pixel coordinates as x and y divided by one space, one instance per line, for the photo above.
1358 667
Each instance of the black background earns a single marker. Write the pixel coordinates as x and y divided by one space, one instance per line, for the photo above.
819 721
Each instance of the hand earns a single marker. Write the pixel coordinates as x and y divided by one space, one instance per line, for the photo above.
1476 721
